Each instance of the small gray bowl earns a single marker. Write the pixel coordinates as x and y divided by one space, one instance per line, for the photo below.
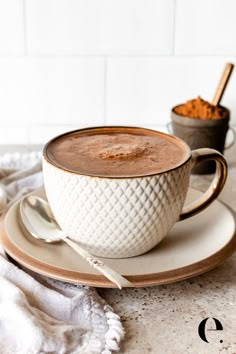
202 133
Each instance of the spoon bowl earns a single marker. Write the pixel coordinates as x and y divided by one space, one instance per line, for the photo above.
37 217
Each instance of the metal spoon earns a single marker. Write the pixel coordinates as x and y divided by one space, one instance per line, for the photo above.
37 217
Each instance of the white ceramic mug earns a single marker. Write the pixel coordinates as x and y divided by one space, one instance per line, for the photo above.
124 217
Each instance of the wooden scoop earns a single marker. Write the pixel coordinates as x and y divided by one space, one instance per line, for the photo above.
222 84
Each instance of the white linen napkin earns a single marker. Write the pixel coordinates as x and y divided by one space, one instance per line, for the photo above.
39 315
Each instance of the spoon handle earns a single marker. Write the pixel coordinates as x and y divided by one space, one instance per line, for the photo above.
109 273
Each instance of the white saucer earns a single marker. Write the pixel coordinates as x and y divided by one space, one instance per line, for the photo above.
193 246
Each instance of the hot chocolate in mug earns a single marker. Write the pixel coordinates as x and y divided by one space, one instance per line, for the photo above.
117 191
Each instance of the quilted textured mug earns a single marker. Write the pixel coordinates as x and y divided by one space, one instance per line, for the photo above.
125 216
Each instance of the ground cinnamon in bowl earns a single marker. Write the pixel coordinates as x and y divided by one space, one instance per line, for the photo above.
200 109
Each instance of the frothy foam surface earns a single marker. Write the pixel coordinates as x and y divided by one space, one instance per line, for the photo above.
115 153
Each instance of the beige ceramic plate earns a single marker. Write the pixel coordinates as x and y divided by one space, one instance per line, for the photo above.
194 246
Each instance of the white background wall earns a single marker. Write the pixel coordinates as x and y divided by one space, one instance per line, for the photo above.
66 64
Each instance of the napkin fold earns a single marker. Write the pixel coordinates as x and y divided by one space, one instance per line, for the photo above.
40 315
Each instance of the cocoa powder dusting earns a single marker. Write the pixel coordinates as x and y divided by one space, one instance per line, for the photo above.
117 154
200 109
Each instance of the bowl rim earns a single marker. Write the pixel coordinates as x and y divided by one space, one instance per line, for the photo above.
198 121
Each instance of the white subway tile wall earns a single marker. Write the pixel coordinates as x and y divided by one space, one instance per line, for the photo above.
11 28
67 64
52 90
98 27
41 134
144 90
13 134
205 27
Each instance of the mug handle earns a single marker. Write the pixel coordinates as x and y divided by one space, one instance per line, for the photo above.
216 186
169 128
233 139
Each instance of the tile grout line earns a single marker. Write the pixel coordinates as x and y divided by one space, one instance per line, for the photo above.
174 27
29 142
116 56
25 28
105 91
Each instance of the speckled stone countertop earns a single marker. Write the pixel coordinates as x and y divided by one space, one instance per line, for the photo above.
164 319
